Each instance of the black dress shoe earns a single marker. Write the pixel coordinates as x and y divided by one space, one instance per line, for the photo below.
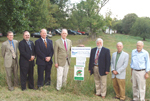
24 89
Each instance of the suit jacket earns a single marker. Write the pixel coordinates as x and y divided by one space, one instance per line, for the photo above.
7 54
42 52
103 60
122 63
26 53
60 52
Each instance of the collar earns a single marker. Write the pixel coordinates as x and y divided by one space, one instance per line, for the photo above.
140 51
44 39
119 53
63 39
10 41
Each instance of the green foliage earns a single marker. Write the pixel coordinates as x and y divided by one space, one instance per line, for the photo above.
12 15
127 22
141 28
117 25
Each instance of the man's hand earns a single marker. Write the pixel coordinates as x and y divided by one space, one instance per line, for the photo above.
48 59
146 76
115 72
56 65
106 73
32 58
89 71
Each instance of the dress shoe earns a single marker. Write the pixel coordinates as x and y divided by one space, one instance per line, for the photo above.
11 89
103 97
24 89
97 95
116 97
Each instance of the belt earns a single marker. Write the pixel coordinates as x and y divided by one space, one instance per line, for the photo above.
96 65
139 70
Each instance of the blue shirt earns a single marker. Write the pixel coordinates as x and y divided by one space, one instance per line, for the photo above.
12 43
98 54
140 60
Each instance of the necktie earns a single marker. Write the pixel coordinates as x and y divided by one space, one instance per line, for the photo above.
12 50
65 45
96 58
28 42
45 43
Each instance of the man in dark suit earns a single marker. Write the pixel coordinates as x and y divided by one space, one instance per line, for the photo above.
44 52
27 55
99 65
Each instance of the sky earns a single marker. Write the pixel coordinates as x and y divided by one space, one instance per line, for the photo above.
120 8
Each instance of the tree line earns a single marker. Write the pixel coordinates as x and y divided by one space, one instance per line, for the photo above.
32 15
131 24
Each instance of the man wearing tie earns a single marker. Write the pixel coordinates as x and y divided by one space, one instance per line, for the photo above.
99 65
44 52
27 55
62 57
10 55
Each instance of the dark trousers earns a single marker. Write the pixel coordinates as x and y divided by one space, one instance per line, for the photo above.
41 69
26 74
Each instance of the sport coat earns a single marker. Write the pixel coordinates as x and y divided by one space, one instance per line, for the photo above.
42 52
60 53
121 66
103 61
7 54
26 53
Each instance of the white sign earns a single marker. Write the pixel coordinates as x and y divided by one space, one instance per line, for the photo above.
80 51
80 61
78 72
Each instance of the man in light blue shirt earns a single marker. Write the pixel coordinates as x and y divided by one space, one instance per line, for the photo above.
140 67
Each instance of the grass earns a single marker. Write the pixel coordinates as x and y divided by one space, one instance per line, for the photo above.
75 90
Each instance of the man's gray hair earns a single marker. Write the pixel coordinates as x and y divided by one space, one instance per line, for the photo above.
64 30
120 43
140 42
43 29
99 39
25 32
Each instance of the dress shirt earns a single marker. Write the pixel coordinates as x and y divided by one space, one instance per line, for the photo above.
63 41
117 57
44 39
140 60
98 54
12 43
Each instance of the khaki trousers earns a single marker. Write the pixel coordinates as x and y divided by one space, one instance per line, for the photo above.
119 87
138 85
62 76
100 82
12 70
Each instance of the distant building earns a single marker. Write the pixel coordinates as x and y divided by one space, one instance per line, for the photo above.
110 31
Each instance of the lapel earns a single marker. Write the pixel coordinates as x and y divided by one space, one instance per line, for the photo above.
43 45
100 52
120 57
94 52
47 43
61 42
26 44
8 44
115 58
68 44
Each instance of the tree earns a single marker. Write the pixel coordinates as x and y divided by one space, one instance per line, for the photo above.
141 28
12 15
108 20
41 15
87 15
117 25
127 22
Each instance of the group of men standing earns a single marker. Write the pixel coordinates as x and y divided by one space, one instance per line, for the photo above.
43 52
99 64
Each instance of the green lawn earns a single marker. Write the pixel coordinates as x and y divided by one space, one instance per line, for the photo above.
75 90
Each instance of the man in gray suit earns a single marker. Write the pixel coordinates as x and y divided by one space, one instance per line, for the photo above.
9 53
119 63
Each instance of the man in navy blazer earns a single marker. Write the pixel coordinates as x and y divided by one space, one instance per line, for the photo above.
26 61
99 65
44 52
